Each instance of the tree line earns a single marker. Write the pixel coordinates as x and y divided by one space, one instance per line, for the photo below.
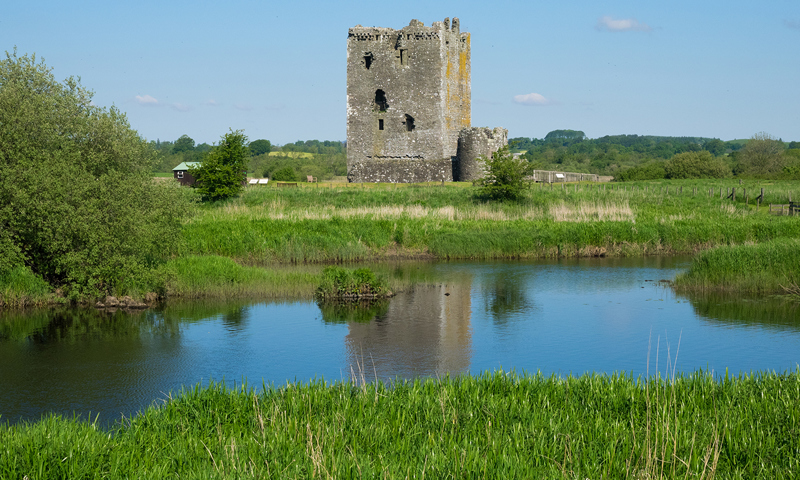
647 157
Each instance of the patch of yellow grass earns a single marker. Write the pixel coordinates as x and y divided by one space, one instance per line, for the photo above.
592 212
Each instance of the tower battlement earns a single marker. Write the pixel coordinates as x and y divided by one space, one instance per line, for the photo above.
408 97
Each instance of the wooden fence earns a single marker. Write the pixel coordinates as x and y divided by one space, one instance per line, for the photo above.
551 176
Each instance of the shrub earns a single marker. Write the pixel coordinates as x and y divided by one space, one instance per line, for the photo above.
506 177
648 171
338 282
77 202
222 172
695 165
285 174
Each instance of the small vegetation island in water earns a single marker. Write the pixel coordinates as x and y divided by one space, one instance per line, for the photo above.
86 214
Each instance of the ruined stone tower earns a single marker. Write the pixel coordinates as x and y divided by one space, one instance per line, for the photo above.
408 97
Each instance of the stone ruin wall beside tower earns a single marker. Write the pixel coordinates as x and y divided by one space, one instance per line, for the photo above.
408 97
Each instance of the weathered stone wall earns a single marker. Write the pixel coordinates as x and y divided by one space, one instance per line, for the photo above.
473 143
407 98
405 171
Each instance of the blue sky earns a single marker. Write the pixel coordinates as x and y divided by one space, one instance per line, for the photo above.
725 69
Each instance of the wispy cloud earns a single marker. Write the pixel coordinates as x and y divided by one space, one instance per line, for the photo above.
243 106
534 99
275 107
181 107
793 24
212 103
611 24
146 100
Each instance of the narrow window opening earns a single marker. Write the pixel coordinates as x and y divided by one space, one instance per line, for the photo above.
368 60
409 123
403 56
380 100
380 124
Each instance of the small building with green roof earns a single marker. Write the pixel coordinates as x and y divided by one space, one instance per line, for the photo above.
182 175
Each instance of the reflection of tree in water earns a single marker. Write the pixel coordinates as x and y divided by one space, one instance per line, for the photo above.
234 318
360 311
731 309
44 326
504 296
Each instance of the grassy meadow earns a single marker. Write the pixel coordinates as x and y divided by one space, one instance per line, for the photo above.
326 223
496 425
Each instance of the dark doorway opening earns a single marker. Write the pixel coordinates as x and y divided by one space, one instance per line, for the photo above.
380 100
380 124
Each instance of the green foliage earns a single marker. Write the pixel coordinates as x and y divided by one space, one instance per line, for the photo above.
19 286
505 177
339 282
715 146
648 171
183 144
766 268
762 156
260 147
284 174
221 174
695 165
565 137
77 203
493 425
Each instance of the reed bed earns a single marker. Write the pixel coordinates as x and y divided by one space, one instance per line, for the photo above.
766 268
496 425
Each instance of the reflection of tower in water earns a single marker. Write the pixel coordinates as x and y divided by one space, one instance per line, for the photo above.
426 331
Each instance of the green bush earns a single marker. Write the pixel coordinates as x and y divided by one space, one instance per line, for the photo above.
505 177
222 172
77 202
285 174
695 165
648 171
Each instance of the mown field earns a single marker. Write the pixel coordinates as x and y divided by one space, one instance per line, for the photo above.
496 425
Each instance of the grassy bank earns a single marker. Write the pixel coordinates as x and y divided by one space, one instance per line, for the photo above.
492 426
766 268
317 224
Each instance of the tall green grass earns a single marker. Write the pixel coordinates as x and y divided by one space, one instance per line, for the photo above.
351 224
21 287
489 426
766 268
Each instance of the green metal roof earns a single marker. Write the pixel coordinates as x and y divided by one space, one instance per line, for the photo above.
186 166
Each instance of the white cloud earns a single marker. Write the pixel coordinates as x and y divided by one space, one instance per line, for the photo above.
533 99
243 106
181 107
212 103
793 24
146 100
611 24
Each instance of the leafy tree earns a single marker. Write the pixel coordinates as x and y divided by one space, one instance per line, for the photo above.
715 146
761 156
77 202
183 144
223 171
285 174
260 147
506 177
695 165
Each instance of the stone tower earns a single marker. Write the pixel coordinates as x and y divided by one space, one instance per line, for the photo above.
408 97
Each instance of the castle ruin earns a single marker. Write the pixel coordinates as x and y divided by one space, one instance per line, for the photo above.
408 106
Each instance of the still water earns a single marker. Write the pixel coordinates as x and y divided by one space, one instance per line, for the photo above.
560 316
